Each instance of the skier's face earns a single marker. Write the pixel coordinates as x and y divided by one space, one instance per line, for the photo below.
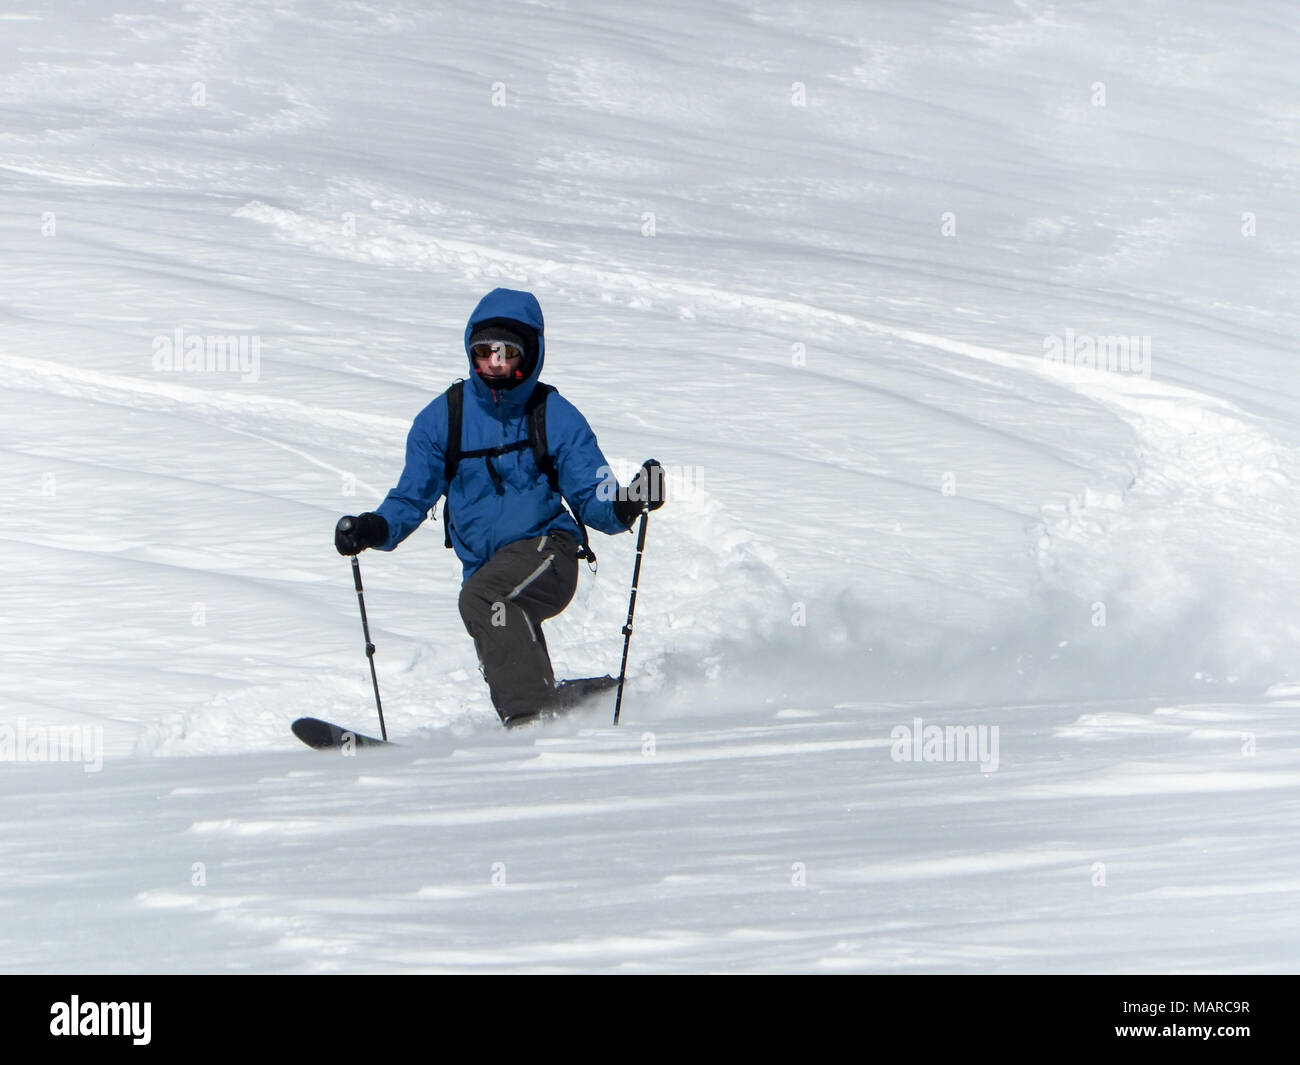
496 360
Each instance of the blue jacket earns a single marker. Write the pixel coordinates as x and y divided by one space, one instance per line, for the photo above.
484 517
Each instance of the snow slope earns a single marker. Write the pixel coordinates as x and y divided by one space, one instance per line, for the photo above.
816 258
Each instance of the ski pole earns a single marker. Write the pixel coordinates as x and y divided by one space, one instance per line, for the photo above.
631 608
370 647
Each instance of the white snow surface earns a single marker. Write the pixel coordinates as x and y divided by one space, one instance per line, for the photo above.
811 257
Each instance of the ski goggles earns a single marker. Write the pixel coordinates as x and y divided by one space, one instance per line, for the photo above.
485 349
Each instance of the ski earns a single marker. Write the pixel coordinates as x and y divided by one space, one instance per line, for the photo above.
324 736
570 695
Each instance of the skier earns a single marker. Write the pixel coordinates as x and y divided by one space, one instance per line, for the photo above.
504 511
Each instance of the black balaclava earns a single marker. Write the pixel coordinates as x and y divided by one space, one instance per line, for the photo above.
507 329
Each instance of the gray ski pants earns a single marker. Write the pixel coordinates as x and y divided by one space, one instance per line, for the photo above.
503 605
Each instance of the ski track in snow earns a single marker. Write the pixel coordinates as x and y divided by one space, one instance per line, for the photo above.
1200 462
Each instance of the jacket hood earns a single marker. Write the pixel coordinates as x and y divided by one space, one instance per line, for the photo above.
521 307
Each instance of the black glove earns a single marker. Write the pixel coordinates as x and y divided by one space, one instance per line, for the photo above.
646 489
353 534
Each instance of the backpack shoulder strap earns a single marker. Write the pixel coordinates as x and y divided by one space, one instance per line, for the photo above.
455 416
536 408
451 450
